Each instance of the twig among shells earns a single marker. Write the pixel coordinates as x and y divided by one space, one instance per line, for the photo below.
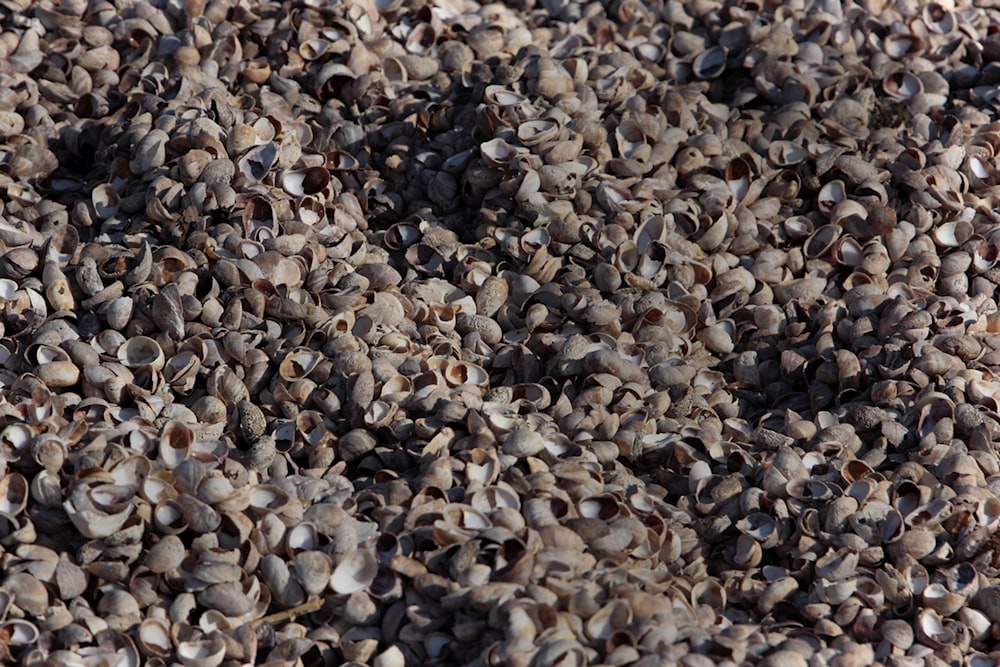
290 614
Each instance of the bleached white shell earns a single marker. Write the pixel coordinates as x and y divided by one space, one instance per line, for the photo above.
354 573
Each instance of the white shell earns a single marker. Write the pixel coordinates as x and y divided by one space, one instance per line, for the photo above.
202 653
354 573
141 351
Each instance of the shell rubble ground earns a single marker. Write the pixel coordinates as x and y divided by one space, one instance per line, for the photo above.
541 334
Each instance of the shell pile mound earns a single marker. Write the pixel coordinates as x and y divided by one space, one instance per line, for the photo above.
429 332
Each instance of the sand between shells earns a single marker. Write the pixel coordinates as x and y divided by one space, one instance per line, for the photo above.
541 334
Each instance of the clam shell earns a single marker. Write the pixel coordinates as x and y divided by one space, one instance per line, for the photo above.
536 132
58 374
786 153
166 555
170 517
13 494
176 441
19 632
902 85
95 523
307 181
759 527
900 45
299 363
497 153
258 161
522 442
710 63
266 498
355 572
462 373
141 351
202 653
312 570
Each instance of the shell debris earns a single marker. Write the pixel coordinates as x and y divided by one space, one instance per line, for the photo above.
542 333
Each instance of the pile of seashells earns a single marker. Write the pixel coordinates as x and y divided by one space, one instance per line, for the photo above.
405 332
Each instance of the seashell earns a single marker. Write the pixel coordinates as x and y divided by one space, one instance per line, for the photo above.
565 652
255 71
251 423
391 657
902 85
748 553
150 152
461 373
776 592
313 49
963 579
258 161
266 499
15 233
497 153
710 63
341 161
354 573
720 337
181 371
418 67
57 288
299 363
58 374
11 124
13 494
307 181
394 70
835 592
786 153
29 593
425 259
86 510
900 45
166 555
421 38
19 632
118 312
119 609
953 234
941 600
931 630
176 440
8 288
312 569
170 517
140 351
737 176
202 653
256 359
522 442
18 263
535 132
401 236
837 564
988 602
938 18
228 598
759 527
355 444
830 195
285 590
